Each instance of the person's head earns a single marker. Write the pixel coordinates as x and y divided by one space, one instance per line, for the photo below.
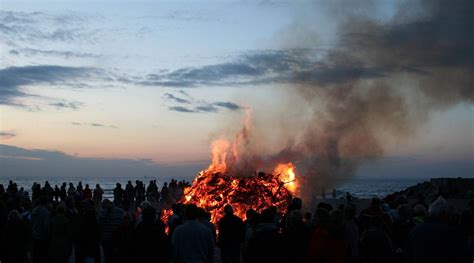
14 216
127 218
191 212
228 210
321 217
404 211
250 214
106 204
61 209
267 216
349 211
97 186
145 204
419 210
375 202
87 186
440 209
149 214
295 218
202 213
296 203
43 201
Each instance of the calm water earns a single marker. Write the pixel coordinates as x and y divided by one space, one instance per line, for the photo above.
358 187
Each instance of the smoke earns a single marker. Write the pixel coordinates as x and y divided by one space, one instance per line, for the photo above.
382 80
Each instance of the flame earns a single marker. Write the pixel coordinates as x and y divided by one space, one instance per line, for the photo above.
219 150
217 186
286 171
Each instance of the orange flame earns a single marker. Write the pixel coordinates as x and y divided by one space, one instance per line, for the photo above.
214 187
286 171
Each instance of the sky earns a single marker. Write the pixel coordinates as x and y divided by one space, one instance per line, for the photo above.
119 87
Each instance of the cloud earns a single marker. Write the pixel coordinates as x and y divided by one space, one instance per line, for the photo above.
171 97
64 54
12 79
198 106
93 124
7 134
415 42
181 109
206 108
227 105
266 67
20 162
67 105
37 27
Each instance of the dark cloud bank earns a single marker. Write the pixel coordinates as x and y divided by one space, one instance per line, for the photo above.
21 162
12 79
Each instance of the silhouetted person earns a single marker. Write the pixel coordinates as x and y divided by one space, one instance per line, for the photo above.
98 193
125 240
401 228
60 247
86 234
176 219
349 197
351 234
71 191
3 222
56 193
165 193
191 241
63 192
151 240
111 218
375 243
327 240
231 236
40 223
437 239
87 193
17 237
118 195
295 238
375 210
265 245
205 219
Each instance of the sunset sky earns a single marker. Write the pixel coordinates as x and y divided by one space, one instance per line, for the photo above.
147 85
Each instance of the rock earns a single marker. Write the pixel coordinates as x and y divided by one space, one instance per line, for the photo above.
458 188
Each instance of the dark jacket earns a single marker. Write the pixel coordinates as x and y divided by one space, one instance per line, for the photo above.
231 232
60 247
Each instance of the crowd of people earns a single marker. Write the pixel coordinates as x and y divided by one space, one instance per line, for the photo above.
76 223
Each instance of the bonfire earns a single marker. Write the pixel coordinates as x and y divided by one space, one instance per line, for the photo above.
218 186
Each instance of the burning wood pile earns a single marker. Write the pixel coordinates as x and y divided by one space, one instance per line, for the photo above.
213 190
220 184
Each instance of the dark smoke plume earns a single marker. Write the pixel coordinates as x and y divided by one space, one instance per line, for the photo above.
381 80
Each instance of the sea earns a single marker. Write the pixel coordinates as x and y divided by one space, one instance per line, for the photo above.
358 187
